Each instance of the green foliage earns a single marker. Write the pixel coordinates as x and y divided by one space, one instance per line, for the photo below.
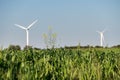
27 48
50 38
60 64
14 47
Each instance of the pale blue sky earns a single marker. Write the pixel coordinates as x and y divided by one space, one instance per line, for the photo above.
74 21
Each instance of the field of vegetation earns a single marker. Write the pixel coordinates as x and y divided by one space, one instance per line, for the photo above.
60 64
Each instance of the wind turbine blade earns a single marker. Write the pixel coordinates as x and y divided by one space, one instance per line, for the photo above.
103 30
32 24
98 31
20 26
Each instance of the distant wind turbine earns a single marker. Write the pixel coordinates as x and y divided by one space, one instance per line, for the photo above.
27 30
101 37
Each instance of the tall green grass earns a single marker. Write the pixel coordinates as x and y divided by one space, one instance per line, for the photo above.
60 64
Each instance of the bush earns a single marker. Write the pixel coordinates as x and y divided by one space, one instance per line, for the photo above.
14 47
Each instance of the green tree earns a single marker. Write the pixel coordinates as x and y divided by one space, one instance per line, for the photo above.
14 47
50 38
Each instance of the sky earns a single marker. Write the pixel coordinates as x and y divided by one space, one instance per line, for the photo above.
74 21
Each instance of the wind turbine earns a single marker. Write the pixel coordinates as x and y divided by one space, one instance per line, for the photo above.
27 30
101 37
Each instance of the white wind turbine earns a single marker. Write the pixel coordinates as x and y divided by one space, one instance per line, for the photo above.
101 37
27 30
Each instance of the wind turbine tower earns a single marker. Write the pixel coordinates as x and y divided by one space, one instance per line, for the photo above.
101 37
27 30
